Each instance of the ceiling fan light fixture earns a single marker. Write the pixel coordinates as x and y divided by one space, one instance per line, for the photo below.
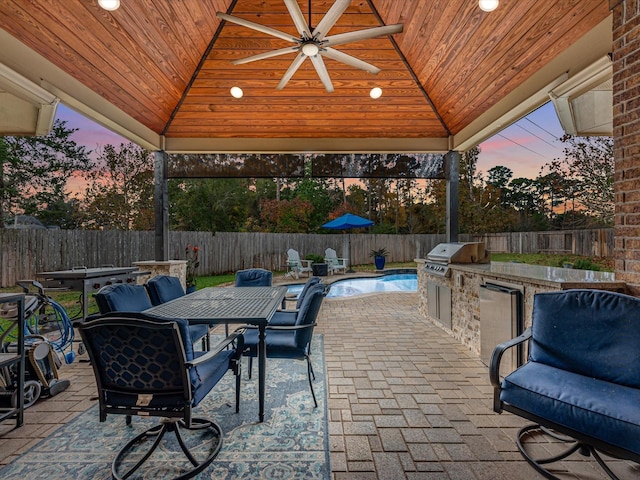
236 92
109 5
488 5
376 92
310 49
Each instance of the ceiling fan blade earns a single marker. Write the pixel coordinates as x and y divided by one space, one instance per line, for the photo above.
298 18
256 26
349 60
330 18
295 65
358 35
320 67
262 56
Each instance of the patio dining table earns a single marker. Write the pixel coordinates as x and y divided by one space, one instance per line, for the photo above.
235 305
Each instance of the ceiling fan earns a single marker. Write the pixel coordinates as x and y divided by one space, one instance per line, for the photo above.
315 43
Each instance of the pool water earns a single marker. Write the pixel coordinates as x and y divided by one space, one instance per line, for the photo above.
399 282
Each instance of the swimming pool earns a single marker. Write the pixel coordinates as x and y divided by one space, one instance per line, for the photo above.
349 287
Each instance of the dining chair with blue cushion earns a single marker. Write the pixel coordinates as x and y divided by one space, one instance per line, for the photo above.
254 277
163 288
146 366
290 317
126 297
290 341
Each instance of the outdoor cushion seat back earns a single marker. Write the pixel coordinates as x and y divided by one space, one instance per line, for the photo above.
134 355
590 332
163 288
309 283
122 297
307 314
254 277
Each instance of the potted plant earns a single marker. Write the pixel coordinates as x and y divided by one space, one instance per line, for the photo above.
379 257
192 264
318 266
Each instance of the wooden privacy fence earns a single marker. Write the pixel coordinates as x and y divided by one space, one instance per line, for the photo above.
23 253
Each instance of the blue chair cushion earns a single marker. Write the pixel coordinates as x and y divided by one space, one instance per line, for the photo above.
204 377
597 408
602 329
311 282
280 344
254 277
124 297
164 288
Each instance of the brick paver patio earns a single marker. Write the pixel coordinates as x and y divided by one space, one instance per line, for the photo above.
406 401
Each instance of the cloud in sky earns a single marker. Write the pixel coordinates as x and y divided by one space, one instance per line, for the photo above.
524 147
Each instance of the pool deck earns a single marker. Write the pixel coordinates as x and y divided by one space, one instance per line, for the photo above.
406 401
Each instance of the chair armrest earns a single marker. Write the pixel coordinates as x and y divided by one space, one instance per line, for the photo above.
494 364
291 310
291 327
283 327
236 335
306 263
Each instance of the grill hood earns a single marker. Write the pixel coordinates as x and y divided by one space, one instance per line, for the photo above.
459 252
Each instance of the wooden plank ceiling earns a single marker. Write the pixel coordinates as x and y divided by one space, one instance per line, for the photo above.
167 63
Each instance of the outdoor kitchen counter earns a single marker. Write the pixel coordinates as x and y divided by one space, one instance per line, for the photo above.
458 293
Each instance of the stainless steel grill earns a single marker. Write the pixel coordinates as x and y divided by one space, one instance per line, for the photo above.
87 280
444 254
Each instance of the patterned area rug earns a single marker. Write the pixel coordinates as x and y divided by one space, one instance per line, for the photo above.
292 442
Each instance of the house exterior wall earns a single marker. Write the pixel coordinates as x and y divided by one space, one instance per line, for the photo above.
626 132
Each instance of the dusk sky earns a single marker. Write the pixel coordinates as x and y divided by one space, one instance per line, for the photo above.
523 147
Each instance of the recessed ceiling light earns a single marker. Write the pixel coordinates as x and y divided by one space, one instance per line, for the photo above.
236 92
376 92
109 4
488 5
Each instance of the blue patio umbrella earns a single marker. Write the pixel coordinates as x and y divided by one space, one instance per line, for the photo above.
347 222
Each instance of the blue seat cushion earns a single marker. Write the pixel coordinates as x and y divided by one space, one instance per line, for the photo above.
597 408
280 344
204 377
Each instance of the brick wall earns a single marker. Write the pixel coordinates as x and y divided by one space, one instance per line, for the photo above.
626 132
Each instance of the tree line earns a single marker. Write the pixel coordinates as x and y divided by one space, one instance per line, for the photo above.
36 174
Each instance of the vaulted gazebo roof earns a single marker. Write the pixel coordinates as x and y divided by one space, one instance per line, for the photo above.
159 72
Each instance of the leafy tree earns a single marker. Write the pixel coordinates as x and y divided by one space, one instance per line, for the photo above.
34 172
120 190
588 167
498 178
291 216
210 205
